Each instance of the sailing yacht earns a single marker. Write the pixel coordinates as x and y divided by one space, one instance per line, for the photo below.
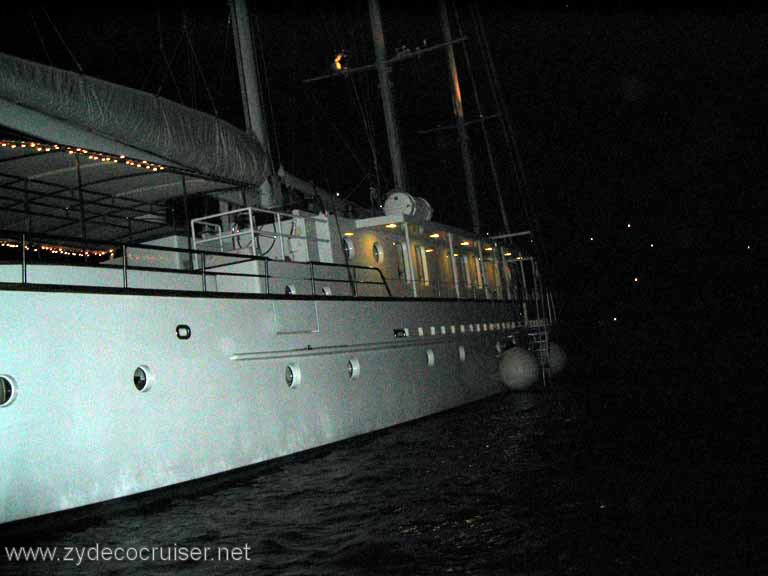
257 332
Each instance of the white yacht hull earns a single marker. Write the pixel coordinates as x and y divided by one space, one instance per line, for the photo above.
78 431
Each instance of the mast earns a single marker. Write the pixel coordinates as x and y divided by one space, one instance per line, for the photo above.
253 110
390 117
458 111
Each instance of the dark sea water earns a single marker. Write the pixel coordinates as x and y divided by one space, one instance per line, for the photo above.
624 471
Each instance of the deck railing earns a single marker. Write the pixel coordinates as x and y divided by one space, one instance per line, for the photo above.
203 263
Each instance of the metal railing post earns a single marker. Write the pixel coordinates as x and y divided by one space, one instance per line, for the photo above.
266 273
253 238
23 258
125 266
312 276
202 269
279 230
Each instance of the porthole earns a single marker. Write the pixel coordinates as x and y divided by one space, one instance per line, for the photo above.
378 254
143 378
462 354
292 375
326 290
7 390
430 358
290 290
349 248
353 368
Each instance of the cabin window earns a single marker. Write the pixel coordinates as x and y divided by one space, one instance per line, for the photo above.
465 271
292 375
143 378
353 368
422 266
7 390
479 272
349 248
378 254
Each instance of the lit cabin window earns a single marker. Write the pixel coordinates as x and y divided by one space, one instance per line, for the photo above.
479 272
422 267
465 271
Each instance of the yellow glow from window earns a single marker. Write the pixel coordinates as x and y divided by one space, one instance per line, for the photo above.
349 233
465 243
428 250
435 235
392 225
488 248
507 253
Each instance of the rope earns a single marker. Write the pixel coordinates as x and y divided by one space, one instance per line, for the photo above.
61 39
198 67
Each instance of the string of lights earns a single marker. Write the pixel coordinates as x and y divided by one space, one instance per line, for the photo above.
61 250
91 155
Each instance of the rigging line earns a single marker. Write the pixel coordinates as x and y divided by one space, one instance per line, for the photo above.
61 39
168 64
228 35
40 37
340 135
369 135
498 100
355 187
509 135
484 129
198 67
263 81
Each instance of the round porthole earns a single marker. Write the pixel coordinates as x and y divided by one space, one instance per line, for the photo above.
7 390
292 375
378 254
430 358
353 368
349 248
462 354
143 378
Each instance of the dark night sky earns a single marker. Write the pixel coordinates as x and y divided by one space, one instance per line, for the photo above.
648 118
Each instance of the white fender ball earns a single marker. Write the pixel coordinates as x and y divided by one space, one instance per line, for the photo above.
519 368
557 359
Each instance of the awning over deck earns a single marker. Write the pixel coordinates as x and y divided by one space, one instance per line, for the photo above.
104 158
48 188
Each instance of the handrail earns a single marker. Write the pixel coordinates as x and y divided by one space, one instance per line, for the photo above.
204 270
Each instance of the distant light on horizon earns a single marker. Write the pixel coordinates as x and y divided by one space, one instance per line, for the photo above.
651 244
591 238
637 279
629 225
